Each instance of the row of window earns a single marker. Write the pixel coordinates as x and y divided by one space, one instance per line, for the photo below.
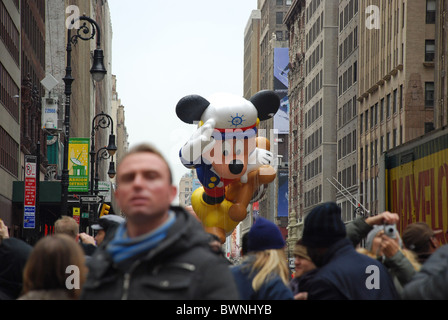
347 14
348 45
313 196
348 177
347 145
31 29
315 30
315 57
312 7
313 114
348 78
347 112
314 86
9 151
313 168
8 91
9 33
313 141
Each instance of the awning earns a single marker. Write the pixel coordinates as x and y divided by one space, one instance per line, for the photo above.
49 191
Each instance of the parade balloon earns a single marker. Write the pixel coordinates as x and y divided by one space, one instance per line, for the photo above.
232 162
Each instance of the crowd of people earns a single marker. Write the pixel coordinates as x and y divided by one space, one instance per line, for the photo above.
159 251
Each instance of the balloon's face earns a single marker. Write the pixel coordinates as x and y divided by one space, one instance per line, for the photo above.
229 157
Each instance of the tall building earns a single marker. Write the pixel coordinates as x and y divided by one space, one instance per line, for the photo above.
438 10
295 22
395 83
187 185
10 131
251 55
273 38
251 79
346 181
320 111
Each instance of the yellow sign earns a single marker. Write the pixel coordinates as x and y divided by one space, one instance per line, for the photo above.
417 187
77 214
78 155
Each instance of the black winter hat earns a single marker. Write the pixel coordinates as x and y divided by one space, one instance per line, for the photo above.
323 226
265 235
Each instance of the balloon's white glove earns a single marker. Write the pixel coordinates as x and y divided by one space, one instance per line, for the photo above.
258 158
200 142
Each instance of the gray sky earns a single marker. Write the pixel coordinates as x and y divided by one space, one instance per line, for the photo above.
165 50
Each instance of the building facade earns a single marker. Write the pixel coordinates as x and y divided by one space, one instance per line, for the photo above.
10 85
395 84
440 64
346 182
273 34
295 22
320 111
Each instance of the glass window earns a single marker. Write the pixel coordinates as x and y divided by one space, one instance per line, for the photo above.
429 50
430 11
429 94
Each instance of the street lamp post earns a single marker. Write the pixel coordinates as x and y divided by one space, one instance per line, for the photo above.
100 121
103 154
98 72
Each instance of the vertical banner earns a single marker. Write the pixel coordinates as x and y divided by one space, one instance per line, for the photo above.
281 70
78 155
282 208
29 201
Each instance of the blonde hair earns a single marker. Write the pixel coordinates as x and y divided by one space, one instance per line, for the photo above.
411 256
267 264
66 225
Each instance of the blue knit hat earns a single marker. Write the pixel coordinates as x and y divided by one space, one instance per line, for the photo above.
323 226
265 235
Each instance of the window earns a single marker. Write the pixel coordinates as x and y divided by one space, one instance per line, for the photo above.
279 2
430 11
394 105
388 105
279 35
429 50
279 17
429 126
429 94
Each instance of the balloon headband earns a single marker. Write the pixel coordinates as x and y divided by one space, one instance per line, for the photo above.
239 133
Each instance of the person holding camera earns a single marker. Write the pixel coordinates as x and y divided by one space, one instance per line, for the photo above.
383 243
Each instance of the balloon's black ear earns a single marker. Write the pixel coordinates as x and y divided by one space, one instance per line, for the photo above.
190 108
267 103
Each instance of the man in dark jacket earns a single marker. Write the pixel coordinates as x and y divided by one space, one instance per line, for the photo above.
161 252
13 256
343 273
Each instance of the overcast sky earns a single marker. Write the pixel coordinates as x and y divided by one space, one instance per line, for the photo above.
165 50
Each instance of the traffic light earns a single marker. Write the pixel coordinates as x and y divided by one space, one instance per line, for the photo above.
104 209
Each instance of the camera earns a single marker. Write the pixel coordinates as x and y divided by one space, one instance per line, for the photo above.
390 230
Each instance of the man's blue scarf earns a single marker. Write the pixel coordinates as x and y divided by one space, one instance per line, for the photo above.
122 247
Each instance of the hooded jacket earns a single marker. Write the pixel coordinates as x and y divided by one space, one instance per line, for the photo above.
182 266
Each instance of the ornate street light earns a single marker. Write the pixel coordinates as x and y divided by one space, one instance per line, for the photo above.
103 154
100 121
98 72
